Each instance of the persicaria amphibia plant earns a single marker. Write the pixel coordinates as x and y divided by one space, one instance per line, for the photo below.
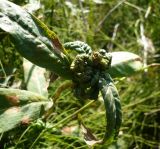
89 71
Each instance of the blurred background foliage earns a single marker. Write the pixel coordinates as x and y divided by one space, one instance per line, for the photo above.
115 26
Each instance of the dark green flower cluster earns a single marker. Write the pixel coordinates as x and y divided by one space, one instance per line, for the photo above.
86 70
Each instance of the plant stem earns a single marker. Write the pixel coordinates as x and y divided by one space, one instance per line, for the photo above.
60 89
56 96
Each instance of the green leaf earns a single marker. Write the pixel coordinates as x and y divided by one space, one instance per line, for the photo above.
112 106
34 77
33 39
78 46
125 64
19 107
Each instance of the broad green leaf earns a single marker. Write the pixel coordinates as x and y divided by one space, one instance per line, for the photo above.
34 77
33 39
16 97
125 64
19 107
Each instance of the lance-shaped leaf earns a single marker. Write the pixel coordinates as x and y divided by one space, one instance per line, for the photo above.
18 107
113 113
35 79
112 106
33 39
125 64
